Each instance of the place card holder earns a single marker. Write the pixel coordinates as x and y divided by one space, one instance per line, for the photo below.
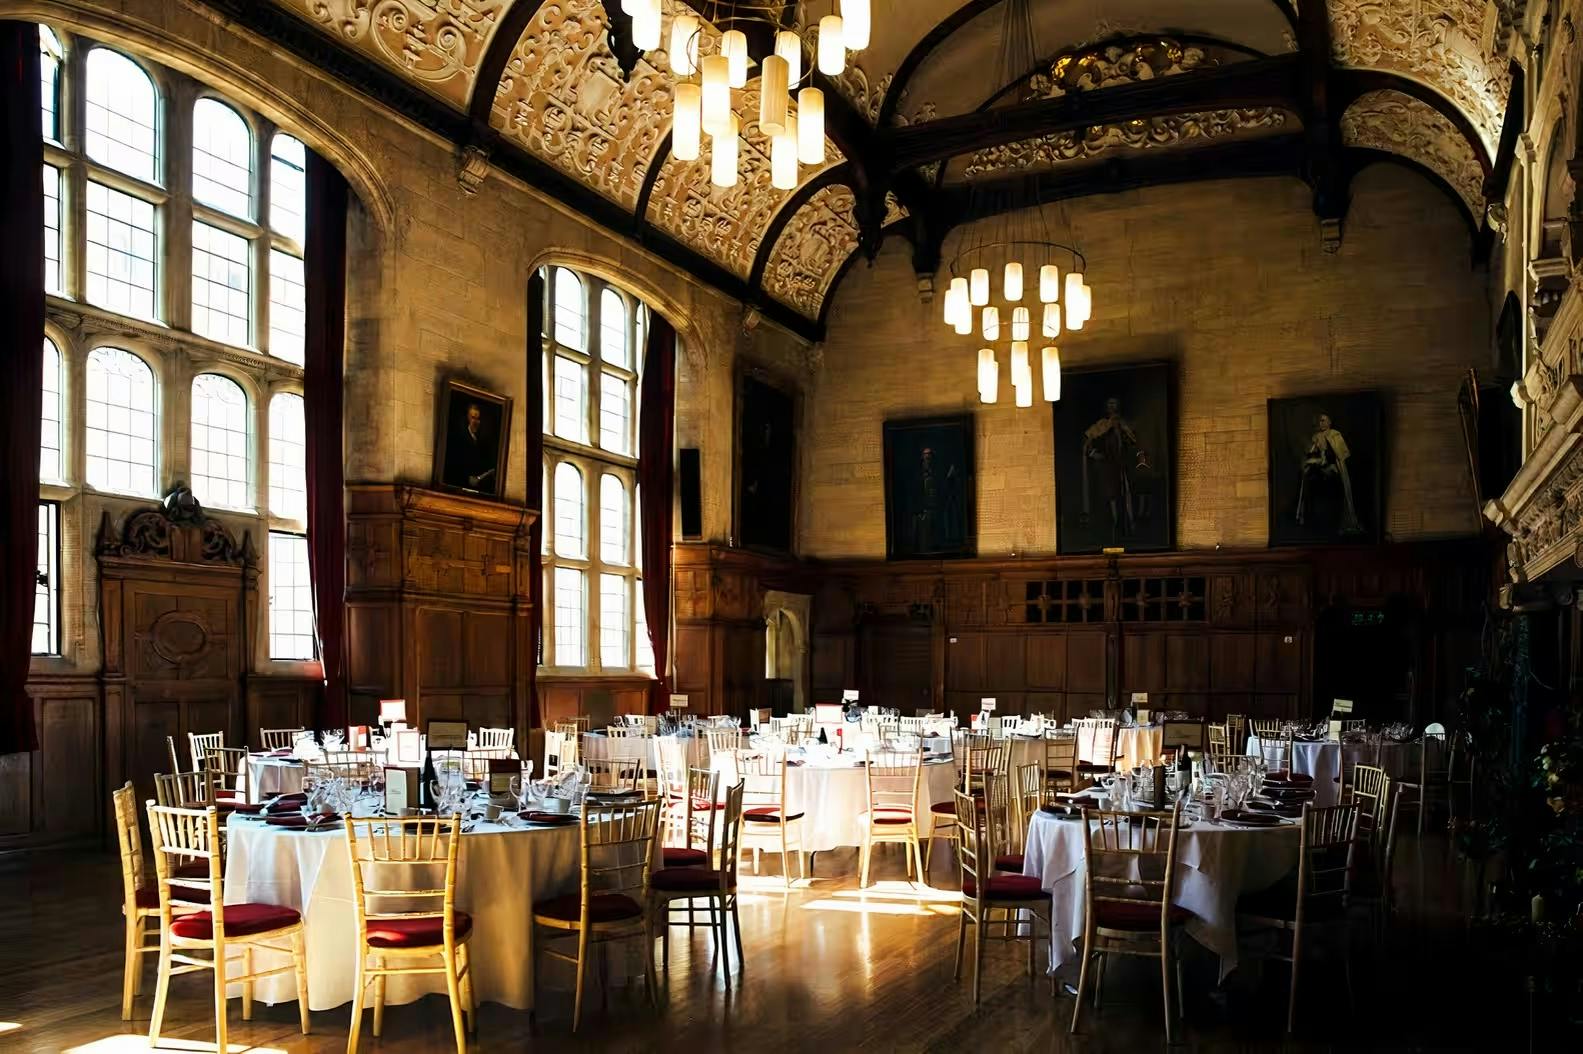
501 772
1335 729
1143 717
357 737
401 790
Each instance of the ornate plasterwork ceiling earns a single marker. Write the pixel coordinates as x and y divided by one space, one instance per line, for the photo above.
1397 123
811 250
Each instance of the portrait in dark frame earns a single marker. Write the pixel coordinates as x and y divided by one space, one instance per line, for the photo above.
1326 458
930 495
1115 458
470 447
766 465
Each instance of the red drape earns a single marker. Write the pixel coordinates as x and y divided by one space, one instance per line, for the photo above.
657 479
22 352
324 267
535 457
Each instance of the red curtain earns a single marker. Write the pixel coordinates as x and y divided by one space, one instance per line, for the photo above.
535 457
657 479
22 351
324 267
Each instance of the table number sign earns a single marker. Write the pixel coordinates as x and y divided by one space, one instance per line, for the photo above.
1141 716
1341 706
827 713
501 770
987 704
678 702
849 695
1335 730
408 744
447 735
401 790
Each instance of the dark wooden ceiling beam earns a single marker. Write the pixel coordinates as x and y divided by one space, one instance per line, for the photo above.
1274 82
1321 124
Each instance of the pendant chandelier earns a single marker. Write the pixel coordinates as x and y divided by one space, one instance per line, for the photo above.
710 69
1010 276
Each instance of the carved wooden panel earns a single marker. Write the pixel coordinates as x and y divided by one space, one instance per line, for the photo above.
1046 658
1232 661
1186 662
1087 661
965 663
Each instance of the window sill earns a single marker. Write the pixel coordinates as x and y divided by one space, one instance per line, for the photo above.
621 676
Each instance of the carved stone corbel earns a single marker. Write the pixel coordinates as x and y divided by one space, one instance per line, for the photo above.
472 167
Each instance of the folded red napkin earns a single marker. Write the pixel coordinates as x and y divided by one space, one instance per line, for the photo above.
533 816
248 807
1284 776
1252 819
296 819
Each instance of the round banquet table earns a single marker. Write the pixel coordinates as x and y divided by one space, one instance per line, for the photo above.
269 775
501 872
1323 761
1137 745
1216 865
598 746
833 798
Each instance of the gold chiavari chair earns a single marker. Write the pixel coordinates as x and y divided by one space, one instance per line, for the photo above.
182 789
1432 782
696 810
560 752
670 765
1267 729
625 731
723 741
614 775
1460 766
1236 733
1096 746
200 743
344 764
716 886
1129 863
893 781
1000 907
1367 789
1217 738
766 822
1060 764
942 814
227 771
617 852
573 727
170 748
279 738
1027 794
1371 884
194 919
1222 758
1320 897
139 897
405 924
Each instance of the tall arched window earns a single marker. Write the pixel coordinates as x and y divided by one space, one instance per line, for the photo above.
123 115
221 467
122 419
288 482
122 134
222 159
52 438
595 620
287 293
288 182
51 57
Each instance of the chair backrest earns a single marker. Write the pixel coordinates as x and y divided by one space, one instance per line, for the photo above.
1237 732
1432 756
615 774
730 837
723 740
893 779
1028 790
1000 725
227 769
625 731
394 861
560 751
1130 858
981 760
200 743
181 789
973 856
702 791
1326 858
913 726
278 738
344 764
170 748
1217 737
670 755
1221 757
1386 837
618 849
130 840
1096 740
1267 728
183 837
997 810
763 778
497 738
1060 753
1367 789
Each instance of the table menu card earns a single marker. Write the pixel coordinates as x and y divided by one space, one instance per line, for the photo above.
401 790
447 735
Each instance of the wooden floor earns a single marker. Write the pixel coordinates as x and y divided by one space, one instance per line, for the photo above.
830 968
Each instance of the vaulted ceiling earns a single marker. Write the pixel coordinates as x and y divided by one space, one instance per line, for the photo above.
1131 92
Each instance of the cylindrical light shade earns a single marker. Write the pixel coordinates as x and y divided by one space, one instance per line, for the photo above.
685 37
1052 374
1088 300
992 323
1074 282
716 93
774 99
1049 284
1021 324
1020 368
646 27
810 126
1052 320
788 45
832 51
1013 281
1024 389
956 300
988 376
723 155
978 286
856 24
783 157
734 46
964 320
686 124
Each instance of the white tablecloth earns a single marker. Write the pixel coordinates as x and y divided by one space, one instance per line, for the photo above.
500 873
1136 745
1215 866
1320 760
833 798
597 745
268 776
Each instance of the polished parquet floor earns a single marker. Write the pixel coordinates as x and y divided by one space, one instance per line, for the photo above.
829 968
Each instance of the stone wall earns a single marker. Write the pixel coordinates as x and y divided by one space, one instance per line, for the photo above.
1226 279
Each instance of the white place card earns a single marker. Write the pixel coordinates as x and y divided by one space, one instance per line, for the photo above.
849 695
501 771
678 702
1335 730
1341 706
1141 717
408 745
447 735
392 711
987 704
401 789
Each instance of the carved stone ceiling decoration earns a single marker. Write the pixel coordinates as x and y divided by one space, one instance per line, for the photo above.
725 223
564 98
1107 66
1448 45
1397 123
812 248
435 43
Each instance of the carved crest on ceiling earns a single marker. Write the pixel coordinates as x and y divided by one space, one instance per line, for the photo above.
812 248
1397 123
437 43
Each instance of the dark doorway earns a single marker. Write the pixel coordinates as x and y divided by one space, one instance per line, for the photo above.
1366 655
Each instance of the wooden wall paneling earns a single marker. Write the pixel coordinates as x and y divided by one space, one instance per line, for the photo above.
1233 661
1281 662
1186 662
1143 664
1045 659
1051 704
1006 666
278 702
966 662
69 793
1088 654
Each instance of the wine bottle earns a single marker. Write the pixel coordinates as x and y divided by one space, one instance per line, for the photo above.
823 738
426 782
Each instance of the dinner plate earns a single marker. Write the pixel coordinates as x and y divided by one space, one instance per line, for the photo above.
547 819
1250 819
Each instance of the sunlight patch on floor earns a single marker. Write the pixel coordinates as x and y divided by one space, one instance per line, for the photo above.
129 1042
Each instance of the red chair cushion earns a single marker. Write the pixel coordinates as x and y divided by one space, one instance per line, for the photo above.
699 804
1118 915
676 856
883 816
1010 863
602 907
685 879
944 808
1004 887
241 920
415 933
768 814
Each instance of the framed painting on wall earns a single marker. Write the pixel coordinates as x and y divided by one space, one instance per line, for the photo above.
1115 458
766 466
930 489
1326 459
470 444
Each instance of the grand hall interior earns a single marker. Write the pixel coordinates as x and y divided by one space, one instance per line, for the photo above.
907 525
